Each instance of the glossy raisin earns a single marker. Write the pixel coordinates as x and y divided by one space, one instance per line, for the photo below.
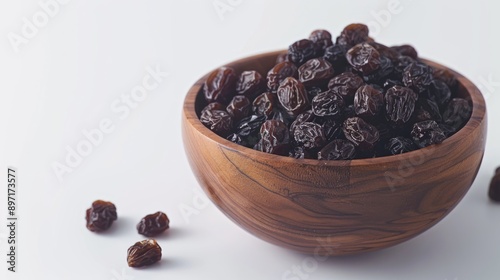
322 38
338 150
364 58
217 121
445 76
237 139
292 96
353 34
368 102
302 50
391 82
427 133
406 50
282 57
275 138
417 76
313 91
457 113
327 104
153 224
385 51
250 125
336 56
278 73
100 216
494 189
400 66
214 106
399 145
309 135
239 107
264 104
144 253
315 72
332 128
439 92
300 152
380 75
306 116
426 109
362 134
399 104
346 85
250 84
220 85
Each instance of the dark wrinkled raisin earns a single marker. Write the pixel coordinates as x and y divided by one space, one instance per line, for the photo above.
302 50
292 96
457 113
353 34
237 139
346 85
100 216
306 116
399 104
250 125
250 84
214 106
219 86
399 145
385 70
362 134
336 56
239 107
332 128
417 76
448 130
282 57
316 71
264 104
299 152
349 112
427 133
385 132
313 91
445 76
439 91
282 116
425 110
400 66
144 253
310 135
390 83
327 104
338 150
322 39
385 51
494 190
278 73
368 102
406 50
275 137
364 58
153 224
217 121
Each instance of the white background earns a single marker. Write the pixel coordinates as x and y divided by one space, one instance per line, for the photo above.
64 79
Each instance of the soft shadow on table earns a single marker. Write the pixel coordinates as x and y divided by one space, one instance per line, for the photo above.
122 226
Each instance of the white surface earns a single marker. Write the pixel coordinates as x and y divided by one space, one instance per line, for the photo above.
66 77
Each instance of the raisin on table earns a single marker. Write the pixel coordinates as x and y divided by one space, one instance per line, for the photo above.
338 150
494 190
292 96
220 84
153 224
362 134
100 216
144 253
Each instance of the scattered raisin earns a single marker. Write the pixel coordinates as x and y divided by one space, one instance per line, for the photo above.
153 224
100 216
144 253
494 190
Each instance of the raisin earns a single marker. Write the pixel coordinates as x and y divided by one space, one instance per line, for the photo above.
144 253
494 190
346 85
399 104
153 224
406 50
237 139
336 56
239 107
313 91
427 133
390 83
385 51
292 96
439 91
400 66
280 115
299 152
310 135
322 38
445 76
448 130
368 102
278 73
417 76
327 104
275 138
364 58
217 121
399 145
302 50
426 109
338 150
214 106
332 128
219 86
264 104
100 216
316 71
306 116
457 113
349 112
250 84
282 57
362 134
250 125
385 71
353 34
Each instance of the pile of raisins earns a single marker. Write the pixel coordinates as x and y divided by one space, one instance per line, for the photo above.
352 98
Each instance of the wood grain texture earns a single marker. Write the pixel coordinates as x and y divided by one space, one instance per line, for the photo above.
334 207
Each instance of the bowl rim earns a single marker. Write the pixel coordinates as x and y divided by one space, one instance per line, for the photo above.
474 122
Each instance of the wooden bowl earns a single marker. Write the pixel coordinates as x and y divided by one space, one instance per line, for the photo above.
333 207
